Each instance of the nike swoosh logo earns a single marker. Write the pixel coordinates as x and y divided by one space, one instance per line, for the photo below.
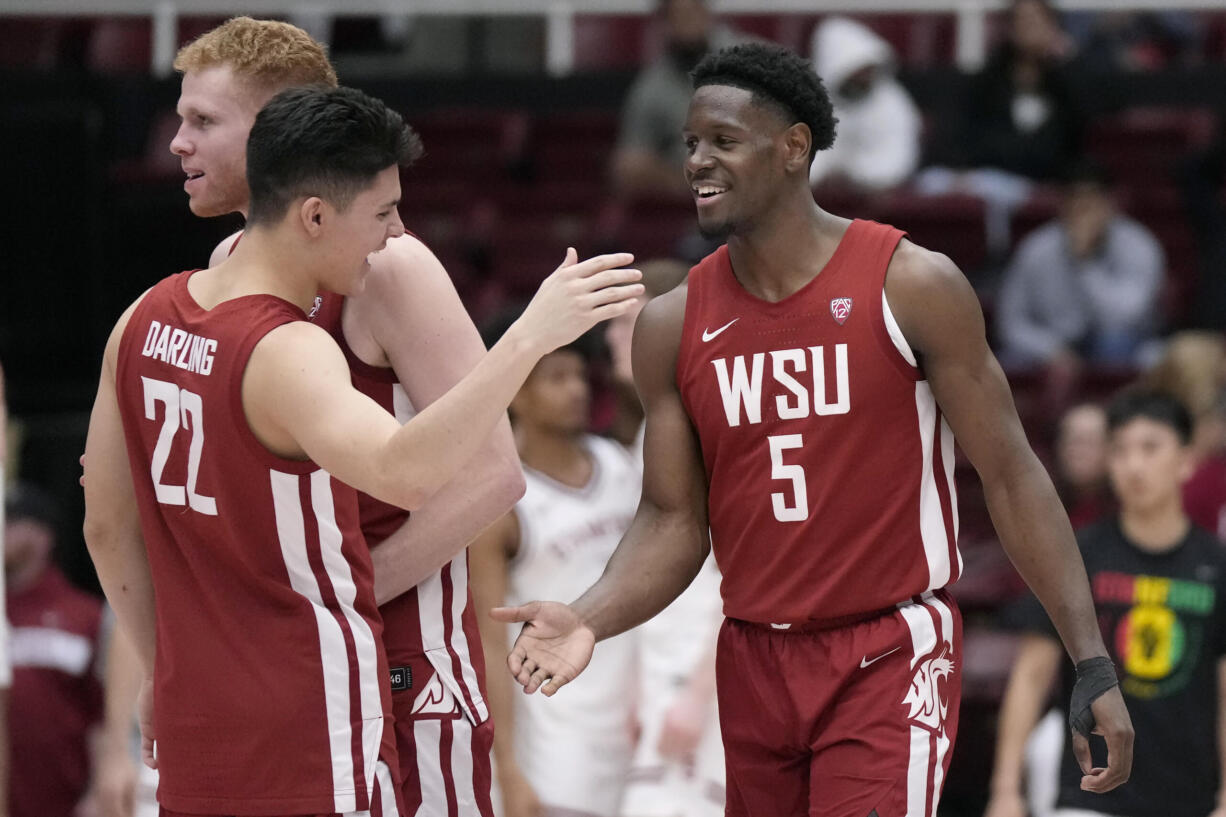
864 662
709 335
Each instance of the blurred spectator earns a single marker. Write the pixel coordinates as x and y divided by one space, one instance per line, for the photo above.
1136 40
56 698
1020 123
659 276
569 754
1021 116
1081 464
678 765
1083 287
1193 368
1159 591
650 152
877 143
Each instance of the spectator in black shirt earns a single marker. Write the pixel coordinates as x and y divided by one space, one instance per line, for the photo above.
1021 116
1158 584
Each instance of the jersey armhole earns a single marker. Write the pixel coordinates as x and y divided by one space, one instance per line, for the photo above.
895 332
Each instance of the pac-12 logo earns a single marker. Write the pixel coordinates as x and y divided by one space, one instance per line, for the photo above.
840 308
928 696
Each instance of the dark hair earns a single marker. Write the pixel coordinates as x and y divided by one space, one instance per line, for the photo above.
1086 171
326 142
1150 404
27 502
777 77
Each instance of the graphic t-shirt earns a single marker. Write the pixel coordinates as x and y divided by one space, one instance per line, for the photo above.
1163 618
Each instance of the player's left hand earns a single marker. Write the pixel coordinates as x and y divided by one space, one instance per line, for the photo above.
553 647
682 728
144 714
1112 722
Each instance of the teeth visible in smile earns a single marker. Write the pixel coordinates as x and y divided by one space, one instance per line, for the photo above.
709 189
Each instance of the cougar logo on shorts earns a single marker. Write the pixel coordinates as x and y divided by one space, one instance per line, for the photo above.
840 308
435 699
927 696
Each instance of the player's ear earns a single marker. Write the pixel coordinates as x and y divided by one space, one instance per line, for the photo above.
797 140
311 213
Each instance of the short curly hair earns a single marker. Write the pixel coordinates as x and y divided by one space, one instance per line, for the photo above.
268 53
776 76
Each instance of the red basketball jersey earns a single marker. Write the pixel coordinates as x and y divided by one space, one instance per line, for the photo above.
270 682
830 466
432 628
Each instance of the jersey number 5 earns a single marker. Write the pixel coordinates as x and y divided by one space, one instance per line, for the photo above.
798 511
181 405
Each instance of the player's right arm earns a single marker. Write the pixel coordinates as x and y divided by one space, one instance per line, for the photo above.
112 522
1034 670
489 558
667 542
300 403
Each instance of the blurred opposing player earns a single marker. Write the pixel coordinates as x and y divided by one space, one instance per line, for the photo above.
801 392
223 439
568 756
678 765
407 339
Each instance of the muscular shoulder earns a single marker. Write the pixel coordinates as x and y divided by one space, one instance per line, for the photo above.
930 297
297 343
659 324
657 342
112 345
404 268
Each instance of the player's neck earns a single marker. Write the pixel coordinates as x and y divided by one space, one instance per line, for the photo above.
562 457
265 262
1157 529
784 249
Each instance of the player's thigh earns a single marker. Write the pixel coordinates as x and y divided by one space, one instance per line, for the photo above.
886 742
766 763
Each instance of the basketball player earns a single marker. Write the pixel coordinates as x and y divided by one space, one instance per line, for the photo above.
569 757
678 764
408 340
801 392
254 600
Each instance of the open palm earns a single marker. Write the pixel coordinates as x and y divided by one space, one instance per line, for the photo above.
553 647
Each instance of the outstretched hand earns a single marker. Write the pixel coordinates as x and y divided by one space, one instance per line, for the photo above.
553 647
579 295
1112 722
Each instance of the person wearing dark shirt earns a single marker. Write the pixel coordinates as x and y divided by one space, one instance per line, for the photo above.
1021 115
1159 583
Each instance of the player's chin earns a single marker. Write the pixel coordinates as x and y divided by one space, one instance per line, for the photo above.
205 206
713 228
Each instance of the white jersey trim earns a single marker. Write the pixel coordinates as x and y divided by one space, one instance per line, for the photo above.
895 332
365 647
932 519
291 534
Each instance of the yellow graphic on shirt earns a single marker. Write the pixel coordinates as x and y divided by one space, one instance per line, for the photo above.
1152 642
